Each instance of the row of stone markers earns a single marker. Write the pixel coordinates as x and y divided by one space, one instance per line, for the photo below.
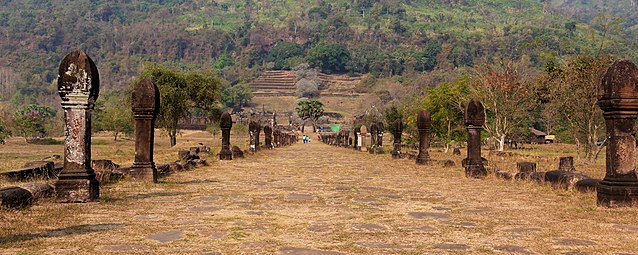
618 98
78 87
356 138
272 139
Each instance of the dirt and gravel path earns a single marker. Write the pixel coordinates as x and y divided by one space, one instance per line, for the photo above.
316 199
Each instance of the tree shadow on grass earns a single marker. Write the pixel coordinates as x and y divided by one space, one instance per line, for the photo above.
66 231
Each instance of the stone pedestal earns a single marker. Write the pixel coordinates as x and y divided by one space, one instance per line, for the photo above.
423 123
618 98
78 86
362 139
373 138
398 131
474 120
379 147
254 129
276 137
145 106
226 124
268 137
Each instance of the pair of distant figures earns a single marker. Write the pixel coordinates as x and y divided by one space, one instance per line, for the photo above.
306 139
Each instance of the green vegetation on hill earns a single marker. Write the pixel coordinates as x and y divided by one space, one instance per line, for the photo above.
386 37
237 40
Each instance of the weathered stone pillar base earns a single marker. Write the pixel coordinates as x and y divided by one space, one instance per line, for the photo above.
396 152
617 193
379 150
475 170
144 172
226 155
77 188
423 160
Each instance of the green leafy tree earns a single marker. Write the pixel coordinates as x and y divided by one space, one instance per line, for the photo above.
282 53
222 61
573 98
330 58
310 109
31 120
237 96
111 114
445 104
181 93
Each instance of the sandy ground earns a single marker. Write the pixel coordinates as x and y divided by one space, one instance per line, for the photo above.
316 199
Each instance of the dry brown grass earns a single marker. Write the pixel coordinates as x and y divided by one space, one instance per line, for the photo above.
323 198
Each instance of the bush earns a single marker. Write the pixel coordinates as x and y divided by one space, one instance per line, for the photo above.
307 88
330 58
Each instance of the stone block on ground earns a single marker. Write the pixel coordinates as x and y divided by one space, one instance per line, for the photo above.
105 170
32 170
587 185
187 155
564 179
237 152
200 162
163 169
503 174
18 197
525 169
447 163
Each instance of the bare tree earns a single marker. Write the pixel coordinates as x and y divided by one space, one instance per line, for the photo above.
574 96
504 89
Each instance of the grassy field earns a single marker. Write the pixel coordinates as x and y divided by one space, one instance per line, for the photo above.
317 199
16 152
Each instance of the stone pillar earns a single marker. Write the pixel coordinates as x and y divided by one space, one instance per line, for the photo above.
356 136
474 120
373 138
276 137
424 122
226 124
145 105
380 129
274 119
268 137
78 86
618 98
253 129
362 139
398 130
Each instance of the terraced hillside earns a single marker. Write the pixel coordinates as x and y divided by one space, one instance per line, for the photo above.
274 83
275 91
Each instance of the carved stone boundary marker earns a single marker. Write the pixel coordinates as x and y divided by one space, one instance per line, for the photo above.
225 123
398 130
618 98
474 120
78 86
145 106
424 123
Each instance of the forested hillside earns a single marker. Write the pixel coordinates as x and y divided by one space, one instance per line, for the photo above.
238 38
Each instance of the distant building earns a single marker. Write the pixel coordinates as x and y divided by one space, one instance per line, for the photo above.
537 136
